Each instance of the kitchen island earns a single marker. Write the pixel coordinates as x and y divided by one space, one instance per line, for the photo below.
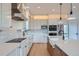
70 47
63 47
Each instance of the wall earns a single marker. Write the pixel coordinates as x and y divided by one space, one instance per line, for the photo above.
39 36
36 24
17 24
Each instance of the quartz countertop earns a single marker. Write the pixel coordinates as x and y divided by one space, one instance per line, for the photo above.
6 48
70 47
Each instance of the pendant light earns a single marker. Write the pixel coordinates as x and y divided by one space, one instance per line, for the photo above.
71 17
60 21
60 11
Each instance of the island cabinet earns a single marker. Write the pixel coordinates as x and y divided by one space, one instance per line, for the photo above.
50 49
56 51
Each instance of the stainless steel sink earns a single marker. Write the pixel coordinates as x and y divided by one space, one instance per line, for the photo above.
16 40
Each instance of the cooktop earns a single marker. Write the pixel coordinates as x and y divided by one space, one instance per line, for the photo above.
16 40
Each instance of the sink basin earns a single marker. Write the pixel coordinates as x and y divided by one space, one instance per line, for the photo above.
16 40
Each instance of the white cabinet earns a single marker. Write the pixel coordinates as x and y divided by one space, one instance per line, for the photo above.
14 52
5 15
39 36
3 37
25 46
22 49
29 43
19 51
0 14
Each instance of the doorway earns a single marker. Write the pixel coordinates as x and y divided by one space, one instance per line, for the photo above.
71 30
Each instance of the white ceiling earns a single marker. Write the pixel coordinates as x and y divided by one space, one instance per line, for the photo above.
46 8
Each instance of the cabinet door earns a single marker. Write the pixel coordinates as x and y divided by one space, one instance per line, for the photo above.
23 48
13 53
23 51
0 13
29 44
6 15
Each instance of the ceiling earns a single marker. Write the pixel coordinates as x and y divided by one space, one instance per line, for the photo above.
51 8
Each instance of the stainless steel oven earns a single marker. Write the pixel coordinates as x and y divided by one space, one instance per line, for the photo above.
52 27
52 34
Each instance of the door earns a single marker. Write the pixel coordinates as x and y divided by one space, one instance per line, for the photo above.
73 30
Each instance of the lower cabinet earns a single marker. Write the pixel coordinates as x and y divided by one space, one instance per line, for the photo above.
15 52
55 51
23 51
29 44
23 48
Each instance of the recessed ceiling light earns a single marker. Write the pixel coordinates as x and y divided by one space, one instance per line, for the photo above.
74 6
53 9
38 7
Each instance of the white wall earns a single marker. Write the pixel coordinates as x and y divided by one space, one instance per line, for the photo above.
17 24
36 24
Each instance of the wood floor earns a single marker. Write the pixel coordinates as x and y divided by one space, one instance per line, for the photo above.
39 50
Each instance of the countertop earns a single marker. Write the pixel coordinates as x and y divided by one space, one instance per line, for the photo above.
6 48
70 47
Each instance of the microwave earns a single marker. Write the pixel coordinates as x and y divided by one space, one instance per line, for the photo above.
52 27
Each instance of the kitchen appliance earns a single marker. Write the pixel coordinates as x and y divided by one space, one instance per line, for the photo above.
52 27
22 49
16 40
43 26
52 34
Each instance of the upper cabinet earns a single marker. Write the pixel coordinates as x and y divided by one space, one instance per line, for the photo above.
0 13
5 14
25 12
